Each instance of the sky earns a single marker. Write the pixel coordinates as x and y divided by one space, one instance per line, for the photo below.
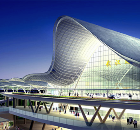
26 28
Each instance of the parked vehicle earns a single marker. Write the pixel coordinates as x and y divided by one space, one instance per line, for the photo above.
113 97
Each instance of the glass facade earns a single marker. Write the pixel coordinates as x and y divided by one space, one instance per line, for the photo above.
107 70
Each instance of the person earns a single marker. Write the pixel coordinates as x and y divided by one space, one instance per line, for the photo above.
56 108
127 121
5 127
75 114
60 111
130 96
131 120
52 128
88 113
113 118
18 128
78 114
69 93
77 94
135 124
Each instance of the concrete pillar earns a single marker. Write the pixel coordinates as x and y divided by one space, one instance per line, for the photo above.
14 117
24 120
7 103
25 103
36 104
5 99
14 102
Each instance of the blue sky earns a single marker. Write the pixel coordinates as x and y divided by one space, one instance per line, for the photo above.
26 28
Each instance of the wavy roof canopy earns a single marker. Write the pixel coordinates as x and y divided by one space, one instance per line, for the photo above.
74 43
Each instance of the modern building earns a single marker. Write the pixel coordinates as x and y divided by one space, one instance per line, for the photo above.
92 59
87 59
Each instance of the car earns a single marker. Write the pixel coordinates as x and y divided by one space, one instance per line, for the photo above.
113 97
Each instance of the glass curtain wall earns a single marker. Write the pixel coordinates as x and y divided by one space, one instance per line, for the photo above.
107 70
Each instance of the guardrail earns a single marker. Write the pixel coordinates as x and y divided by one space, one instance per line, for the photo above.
4 109
48 117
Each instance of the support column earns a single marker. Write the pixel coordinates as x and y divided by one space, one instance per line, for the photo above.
36 104
93 118
43 126
7 103
14 106
31 126
14 102
115 113
84 116
31 105
122 113
24 120
99 116
25 103
50 108
104 120
5 99
45 107
14 117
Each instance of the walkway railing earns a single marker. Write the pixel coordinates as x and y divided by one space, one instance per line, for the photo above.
4 109
48 117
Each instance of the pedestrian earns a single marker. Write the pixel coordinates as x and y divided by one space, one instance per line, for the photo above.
18 128
78 114
131 120
5 127
56 108
135 124
88 113
127 121
75 114
60 111
113 118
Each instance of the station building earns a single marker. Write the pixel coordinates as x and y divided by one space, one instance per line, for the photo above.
86 59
